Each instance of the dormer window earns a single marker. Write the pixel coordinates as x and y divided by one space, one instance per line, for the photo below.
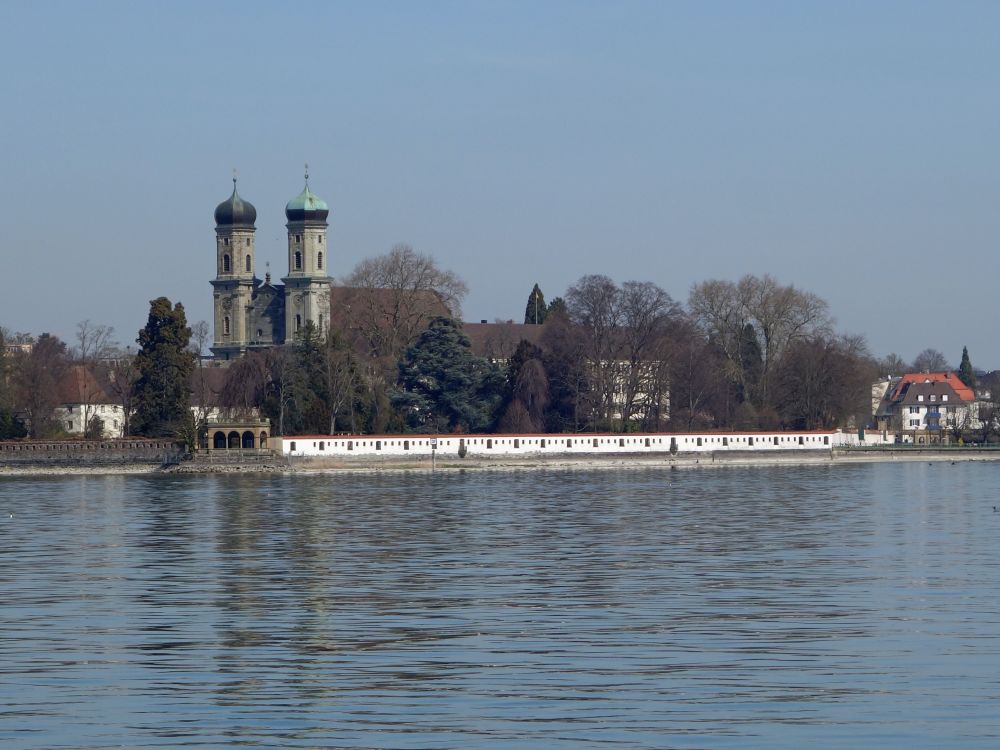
933 397
920 398
944 397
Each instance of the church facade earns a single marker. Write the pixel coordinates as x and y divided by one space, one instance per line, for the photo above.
253 314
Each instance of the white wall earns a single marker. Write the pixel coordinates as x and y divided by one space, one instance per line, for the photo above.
527 445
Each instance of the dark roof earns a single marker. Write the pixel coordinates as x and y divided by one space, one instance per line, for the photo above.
79 385
234 211
206 384
922 393
497 341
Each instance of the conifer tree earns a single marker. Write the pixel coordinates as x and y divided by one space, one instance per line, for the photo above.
965 372
165 364
443 386
535 311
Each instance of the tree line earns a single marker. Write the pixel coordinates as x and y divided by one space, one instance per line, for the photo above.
606 356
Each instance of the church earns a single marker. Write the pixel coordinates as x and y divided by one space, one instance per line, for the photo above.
252 314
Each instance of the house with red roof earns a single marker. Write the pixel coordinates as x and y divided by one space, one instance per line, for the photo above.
927 407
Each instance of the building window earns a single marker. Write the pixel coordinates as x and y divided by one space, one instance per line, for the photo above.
914 422
298 261
944 397
320 239
920 398
933 397
225 241
226 263
225 325
298 239
260 333
319 260
248 242
914 410
248 264
69 426
321 322
298 322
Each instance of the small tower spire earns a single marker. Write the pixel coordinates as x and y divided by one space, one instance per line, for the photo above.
307 174
234 178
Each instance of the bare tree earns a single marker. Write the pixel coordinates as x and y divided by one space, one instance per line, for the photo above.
626 345
930 360
892 365
390 299
202 386
775 316
37 377
123 374
93 344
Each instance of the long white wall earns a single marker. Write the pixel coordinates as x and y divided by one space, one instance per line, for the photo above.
527 445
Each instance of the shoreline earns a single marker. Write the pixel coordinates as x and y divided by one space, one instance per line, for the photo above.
453 464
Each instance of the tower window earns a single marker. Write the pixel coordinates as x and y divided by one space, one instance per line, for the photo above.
298 239
248 242
248 263
320 239
260 333
321 322
225 325
226 264
298 260
298 322
225 241
319 259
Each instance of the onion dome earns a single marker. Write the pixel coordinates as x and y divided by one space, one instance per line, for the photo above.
235 211
307 206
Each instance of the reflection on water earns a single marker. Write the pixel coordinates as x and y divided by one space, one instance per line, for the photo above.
833 606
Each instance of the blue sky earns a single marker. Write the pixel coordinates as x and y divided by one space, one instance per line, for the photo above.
848 148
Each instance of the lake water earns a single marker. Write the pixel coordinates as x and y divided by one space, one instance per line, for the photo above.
830 606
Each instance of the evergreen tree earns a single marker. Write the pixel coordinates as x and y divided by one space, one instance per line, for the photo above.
309 392
443 386
556 307
165 364
965 373
535 311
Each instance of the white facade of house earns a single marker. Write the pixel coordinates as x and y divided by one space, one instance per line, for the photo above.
484 446
73 420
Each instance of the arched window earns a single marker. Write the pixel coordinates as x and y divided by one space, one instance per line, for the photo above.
298 261
298 322
319 259
225 325
226 263
248 263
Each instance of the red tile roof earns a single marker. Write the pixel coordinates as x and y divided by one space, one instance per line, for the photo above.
961 389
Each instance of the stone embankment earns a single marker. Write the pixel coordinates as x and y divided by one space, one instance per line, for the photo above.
131 456
87 456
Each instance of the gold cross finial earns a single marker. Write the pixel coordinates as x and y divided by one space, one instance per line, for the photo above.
234 177
307 173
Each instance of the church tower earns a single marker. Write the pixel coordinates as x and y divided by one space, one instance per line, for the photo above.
307 286
234 281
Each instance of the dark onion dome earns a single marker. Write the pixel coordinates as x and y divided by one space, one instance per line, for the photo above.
235 211
307 206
